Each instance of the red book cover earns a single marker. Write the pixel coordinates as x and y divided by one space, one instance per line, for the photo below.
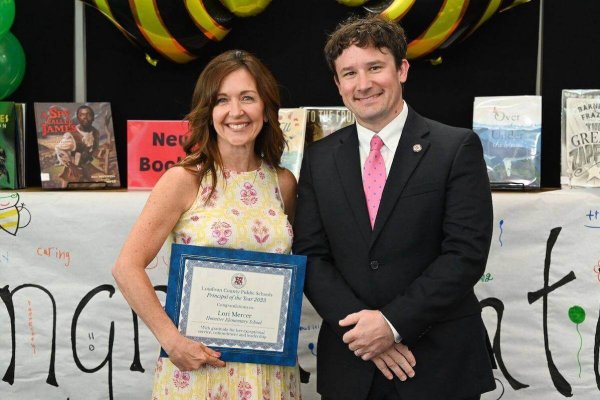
152 148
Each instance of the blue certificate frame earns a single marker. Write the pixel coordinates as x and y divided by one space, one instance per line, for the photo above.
244 304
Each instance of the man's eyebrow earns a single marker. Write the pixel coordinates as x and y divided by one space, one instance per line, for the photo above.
368 64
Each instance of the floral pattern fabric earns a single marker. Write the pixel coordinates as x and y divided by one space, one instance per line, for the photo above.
245 212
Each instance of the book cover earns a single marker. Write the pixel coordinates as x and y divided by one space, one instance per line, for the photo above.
76 146
293 124
8 146
152 148
580 133
322 121
510 129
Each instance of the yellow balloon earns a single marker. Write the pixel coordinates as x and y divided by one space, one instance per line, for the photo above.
245 8
514 4
352 3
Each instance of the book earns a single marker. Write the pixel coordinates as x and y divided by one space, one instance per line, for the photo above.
76 146
152 148
580 134
293 124
322 121
8 146
510 129
12 145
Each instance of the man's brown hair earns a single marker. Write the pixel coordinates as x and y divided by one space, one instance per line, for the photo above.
370 31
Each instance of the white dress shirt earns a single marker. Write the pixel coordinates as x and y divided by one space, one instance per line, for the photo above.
390 135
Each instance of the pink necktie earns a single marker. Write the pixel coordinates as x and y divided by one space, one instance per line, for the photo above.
374 177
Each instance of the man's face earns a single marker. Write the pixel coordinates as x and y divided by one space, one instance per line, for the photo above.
85 118
371 85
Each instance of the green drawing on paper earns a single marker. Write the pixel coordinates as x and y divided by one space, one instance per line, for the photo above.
577 316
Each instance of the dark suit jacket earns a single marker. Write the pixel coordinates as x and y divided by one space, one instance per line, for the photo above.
418 265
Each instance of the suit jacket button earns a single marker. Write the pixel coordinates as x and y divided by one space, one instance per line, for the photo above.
374 265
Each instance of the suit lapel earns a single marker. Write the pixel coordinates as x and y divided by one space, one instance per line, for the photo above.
407 157
347 160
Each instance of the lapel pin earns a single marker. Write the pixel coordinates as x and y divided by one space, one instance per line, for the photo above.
417 148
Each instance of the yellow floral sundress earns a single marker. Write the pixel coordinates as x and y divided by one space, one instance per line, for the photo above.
245 212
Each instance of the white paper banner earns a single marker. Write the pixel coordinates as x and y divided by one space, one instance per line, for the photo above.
75 336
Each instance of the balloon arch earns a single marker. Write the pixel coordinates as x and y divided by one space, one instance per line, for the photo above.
196 22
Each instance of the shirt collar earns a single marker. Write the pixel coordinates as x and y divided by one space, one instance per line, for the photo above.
390 134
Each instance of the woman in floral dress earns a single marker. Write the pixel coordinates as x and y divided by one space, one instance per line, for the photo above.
229 192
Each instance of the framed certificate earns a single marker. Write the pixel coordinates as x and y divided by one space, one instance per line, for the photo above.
245 304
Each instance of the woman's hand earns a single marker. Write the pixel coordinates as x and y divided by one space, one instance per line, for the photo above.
189 355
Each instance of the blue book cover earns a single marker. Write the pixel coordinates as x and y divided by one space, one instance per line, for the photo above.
510 129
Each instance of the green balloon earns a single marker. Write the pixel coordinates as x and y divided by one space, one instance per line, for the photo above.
12 64
7 15
576 314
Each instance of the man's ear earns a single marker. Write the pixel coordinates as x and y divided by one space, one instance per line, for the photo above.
403 71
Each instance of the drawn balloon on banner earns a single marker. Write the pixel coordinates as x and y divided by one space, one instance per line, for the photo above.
178 30
12 56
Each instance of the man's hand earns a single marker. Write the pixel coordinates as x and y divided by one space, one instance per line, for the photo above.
370 336
397 359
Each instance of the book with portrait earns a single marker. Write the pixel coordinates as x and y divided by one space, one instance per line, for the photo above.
580 134
293 124
323 121
12 145
76 144
510 129
152 148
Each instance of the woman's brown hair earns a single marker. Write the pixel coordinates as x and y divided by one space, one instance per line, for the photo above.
201 147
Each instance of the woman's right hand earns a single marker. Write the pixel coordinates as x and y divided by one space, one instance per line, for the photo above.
189 355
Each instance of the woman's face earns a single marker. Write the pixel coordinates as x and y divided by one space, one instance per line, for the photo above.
239 112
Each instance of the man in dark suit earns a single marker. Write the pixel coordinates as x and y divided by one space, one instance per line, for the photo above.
395 216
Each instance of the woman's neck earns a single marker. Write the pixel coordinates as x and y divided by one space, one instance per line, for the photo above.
240 161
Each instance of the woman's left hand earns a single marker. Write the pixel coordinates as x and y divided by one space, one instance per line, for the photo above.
189 355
